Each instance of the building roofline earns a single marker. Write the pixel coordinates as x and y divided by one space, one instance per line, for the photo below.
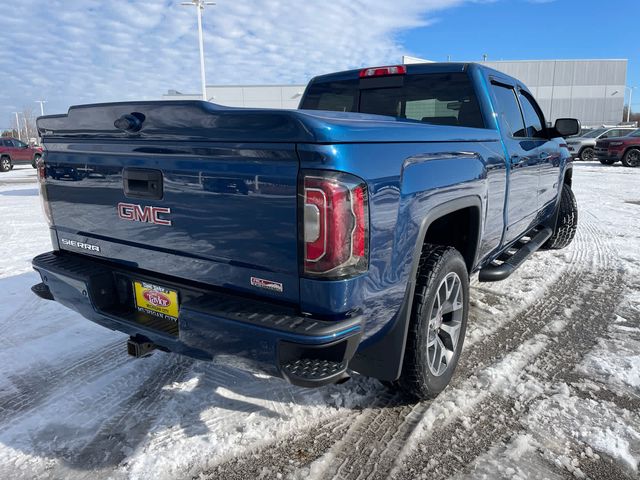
260 85
555 60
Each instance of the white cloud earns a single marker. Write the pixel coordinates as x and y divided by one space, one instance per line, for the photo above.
79 51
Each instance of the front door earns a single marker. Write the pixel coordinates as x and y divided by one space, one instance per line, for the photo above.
522 163
547 151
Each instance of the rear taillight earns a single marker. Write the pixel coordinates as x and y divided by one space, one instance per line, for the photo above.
42 175
335 225
383 71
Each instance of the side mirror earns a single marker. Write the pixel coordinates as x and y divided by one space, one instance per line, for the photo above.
566 127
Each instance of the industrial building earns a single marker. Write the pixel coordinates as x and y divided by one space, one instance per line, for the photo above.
591 90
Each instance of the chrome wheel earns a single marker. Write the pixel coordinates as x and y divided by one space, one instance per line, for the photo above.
444 324
5 164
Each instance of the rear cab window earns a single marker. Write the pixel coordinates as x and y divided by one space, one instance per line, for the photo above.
436 98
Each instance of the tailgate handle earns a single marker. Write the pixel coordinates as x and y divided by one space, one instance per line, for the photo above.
142 183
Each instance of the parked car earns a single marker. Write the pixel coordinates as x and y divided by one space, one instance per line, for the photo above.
625 149
583 147
15 152
381 196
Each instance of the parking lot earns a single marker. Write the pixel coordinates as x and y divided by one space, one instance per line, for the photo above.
548 385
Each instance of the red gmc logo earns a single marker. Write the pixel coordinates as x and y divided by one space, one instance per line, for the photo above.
137 213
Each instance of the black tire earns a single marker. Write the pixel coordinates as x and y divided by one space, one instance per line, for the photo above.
5 164
34 162
607 161
631 158
438 265
587 154
566 223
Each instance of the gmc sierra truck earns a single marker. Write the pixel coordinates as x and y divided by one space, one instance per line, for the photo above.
311 243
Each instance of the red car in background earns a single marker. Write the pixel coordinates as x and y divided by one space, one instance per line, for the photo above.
14 152
624 149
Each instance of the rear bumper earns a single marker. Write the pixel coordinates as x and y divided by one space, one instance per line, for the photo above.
608 155
211 324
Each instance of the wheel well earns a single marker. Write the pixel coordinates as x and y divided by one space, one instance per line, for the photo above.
459 230
631 147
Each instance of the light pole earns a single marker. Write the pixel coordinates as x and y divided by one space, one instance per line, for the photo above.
18 126
631 89
41 102
200 4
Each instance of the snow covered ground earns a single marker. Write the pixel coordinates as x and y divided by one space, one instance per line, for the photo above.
548 386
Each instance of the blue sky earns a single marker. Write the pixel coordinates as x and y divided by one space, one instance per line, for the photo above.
82 51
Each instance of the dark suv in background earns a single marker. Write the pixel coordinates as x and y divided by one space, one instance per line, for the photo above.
14 152
625 149
583 147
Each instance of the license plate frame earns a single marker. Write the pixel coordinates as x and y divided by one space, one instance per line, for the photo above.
156 300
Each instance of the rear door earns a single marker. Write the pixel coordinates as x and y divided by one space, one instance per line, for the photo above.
20 151
523 160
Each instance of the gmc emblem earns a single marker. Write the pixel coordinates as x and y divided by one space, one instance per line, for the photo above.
137 213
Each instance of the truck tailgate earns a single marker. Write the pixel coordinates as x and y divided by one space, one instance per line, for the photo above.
223 214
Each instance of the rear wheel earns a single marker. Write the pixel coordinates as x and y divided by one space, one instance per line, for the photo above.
587 154
607 161
567 222
34 162
438 322
631 158
5 164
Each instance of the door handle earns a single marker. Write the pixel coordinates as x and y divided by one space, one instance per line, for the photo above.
142 183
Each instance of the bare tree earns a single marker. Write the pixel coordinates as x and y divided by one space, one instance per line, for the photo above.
29 128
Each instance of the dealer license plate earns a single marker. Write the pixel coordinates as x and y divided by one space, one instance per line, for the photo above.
156 300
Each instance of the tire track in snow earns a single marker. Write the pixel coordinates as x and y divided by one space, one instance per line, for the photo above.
378 433
122 433
456 442
43 383
354 459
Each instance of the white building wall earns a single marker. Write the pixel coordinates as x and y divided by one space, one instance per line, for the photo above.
591 90
253 96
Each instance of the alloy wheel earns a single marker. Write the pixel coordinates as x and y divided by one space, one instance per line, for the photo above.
633 158
444 324
588 154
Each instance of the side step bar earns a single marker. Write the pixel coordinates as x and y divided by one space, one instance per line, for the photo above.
507 263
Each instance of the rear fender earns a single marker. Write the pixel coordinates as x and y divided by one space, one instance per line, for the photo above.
383 359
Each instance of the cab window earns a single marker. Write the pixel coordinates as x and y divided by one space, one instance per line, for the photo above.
534 120
508 109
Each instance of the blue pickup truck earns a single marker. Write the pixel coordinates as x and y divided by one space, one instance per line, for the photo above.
310 243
